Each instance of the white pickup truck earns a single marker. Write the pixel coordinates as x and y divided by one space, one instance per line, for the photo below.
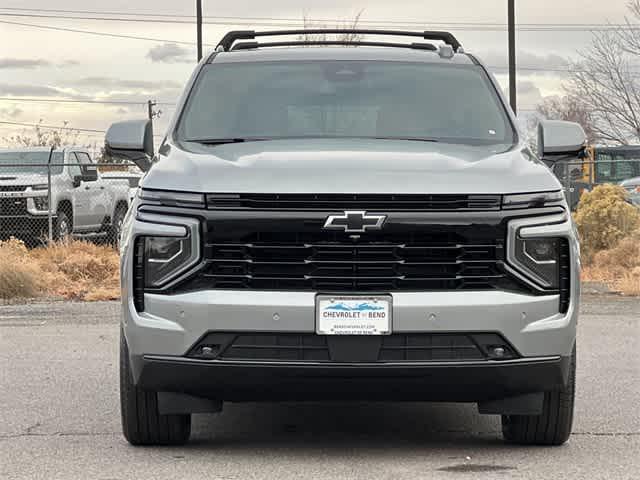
83 202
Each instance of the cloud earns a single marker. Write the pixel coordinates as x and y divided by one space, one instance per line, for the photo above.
118 83
28 90
100 89
529 94
528 63
23 63
68 63
527 87
171 53
31 63
10 112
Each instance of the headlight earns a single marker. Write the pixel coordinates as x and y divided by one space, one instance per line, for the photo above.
166 247
165 257
172 199
532 200
539 259
41 203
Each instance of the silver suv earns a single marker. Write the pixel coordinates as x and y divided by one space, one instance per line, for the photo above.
347 223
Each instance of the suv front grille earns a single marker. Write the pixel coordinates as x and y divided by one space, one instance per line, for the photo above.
11 207
325 262
383 202
308 347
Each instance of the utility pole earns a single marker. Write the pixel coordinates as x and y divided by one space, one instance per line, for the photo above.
513 100
152 113
199 27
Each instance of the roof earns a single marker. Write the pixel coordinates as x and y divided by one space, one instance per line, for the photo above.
619 148
25 149
43 149
338 53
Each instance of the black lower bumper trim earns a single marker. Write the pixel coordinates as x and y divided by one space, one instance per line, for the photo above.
446 381
34 226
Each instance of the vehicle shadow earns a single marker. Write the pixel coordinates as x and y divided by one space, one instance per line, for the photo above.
339 426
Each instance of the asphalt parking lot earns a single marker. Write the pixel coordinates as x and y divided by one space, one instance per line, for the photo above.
59 416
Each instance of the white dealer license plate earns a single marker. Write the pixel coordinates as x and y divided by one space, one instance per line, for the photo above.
353 315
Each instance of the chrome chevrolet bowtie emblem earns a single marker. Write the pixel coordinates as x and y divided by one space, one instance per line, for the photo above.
354 222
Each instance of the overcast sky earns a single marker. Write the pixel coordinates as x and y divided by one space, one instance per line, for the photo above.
49 64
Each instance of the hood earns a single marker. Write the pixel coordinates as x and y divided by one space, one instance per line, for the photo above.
349 166
23 179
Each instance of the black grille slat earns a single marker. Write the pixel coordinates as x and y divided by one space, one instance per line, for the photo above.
347 266
386 202
309 347
565 276
138 275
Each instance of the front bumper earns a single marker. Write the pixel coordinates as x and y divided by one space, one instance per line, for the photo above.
160 338
171 324
252 381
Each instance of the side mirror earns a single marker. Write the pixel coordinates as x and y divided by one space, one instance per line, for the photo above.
558 138
77 180
89 173
131 140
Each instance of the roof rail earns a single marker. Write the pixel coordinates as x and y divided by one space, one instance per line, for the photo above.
252 45
227 42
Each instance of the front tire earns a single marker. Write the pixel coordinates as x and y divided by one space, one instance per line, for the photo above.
62 227
553 427
141 422
115 231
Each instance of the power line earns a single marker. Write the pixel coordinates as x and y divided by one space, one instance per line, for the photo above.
62 127
102 34
329 20
56 127
57 100
266 22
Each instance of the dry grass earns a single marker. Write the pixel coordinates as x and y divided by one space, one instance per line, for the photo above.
72 270
19 276
618 267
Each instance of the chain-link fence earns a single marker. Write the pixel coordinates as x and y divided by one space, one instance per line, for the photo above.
582 176
52 195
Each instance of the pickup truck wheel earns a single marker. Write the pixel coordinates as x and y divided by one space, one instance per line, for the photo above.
553 427
116 226
62 227
141 422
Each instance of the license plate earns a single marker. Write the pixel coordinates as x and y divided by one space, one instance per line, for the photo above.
12 194
353 315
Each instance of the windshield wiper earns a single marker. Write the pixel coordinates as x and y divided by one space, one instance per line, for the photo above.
222 141
411 139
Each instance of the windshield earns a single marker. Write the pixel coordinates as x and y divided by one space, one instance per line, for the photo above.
617 166
329 99
30 163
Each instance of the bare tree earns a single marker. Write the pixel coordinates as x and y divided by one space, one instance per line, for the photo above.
321 37
604 83
44 137
571 109
630 36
